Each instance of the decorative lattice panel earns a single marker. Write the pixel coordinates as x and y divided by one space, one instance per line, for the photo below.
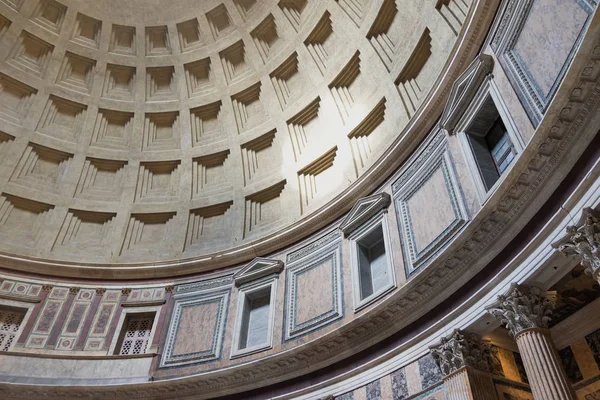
137 336
10 322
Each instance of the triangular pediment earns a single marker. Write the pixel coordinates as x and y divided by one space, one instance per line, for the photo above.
363 210
464 89
256 269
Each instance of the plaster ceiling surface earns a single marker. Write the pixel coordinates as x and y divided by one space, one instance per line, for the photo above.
151 130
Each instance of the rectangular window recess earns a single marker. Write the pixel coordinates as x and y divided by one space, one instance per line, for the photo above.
135 334
372 263
11 320
372 266
490 142
255 319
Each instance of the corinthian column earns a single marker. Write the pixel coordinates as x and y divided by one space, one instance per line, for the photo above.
464 361
582 241
526 313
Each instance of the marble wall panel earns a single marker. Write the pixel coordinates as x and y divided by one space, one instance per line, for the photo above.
374 391
430 207
313 289
570 365
430 373
399 385
535 42
196 329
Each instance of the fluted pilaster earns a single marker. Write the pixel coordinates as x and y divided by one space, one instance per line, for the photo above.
526 312
470 384
543 367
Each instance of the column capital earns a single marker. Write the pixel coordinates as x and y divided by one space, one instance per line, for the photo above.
524 307
458 350
583 241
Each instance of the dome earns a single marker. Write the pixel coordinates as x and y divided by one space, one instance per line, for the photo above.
205 131
299 199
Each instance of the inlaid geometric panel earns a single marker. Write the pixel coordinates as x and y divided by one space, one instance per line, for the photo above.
314 295
196 329
425 229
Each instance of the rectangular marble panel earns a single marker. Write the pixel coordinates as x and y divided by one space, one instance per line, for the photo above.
430 207
430 373
430 210
78 313
103 318
535 42
399 385
314 289
547 37
196 329
570 365
374 391
48 316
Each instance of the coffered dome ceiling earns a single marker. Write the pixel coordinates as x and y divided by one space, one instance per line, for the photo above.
146 131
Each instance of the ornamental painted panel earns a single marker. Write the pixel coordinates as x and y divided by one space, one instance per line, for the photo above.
48 316
425 228
196 329
313 286
535 42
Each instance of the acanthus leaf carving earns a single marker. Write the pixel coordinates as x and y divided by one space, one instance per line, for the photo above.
524 308
583 241
460 349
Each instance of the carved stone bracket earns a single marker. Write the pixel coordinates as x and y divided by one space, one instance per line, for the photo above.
524 308
582 241
460 349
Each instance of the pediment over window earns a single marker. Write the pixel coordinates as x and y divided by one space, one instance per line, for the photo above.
464 89
363 210
258 268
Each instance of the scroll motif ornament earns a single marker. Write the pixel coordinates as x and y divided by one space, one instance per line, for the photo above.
461 349
583 241
524 308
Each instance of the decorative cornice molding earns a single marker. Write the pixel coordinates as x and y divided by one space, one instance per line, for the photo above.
582 241
258 268
524 308
363 210
460 349
464 89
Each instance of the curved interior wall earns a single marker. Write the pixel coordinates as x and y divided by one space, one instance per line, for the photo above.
435 249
